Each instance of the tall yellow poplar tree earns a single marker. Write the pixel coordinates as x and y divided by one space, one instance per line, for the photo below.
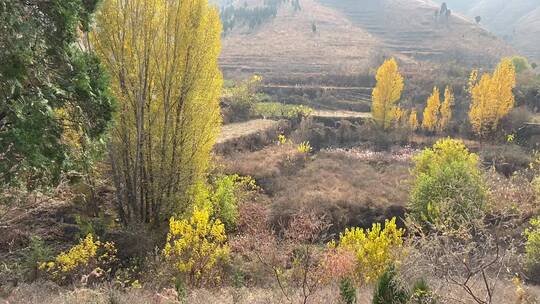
431 112
386 93
492 97
446 109
163 59
413 120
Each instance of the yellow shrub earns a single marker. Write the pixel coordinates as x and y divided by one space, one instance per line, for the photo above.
532 247
375 249
80 260
304 148
195 245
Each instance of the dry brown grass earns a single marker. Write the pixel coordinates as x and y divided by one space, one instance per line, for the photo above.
348 32
505 293
262 164
351 191
240 129
250 135
288 44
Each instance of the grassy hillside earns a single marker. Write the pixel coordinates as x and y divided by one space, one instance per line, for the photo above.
288 43
517 21
343 36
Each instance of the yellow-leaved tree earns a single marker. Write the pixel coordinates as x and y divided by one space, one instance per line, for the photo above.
386 93
413 120
446 109
492 97
432 110
400 117
163 59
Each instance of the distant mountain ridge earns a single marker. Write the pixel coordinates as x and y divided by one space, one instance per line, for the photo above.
517 21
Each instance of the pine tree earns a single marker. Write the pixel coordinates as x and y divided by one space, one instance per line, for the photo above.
386 93
431 112
492 97
163 56
446 109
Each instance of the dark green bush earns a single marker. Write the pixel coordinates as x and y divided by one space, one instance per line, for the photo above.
389 289
347 291
35 253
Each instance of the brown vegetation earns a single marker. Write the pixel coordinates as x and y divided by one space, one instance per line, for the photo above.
353 187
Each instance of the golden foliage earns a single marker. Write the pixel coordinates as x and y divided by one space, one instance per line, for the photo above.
375 249
195 245
448 190
304 148
492 97
532 245
431 112
413 120
163 58
400 117
81 259
446 109
386 93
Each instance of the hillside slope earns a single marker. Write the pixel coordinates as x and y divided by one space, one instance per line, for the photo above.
527 34
288 43
343 36
517 21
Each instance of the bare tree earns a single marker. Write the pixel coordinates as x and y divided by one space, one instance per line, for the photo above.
474 259
293 259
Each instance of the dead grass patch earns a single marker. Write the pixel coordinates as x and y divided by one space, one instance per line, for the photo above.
352 191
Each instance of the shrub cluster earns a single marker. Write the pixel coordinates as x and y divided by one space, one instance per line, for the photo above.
532 249
195 246
448 189
375 249
90 257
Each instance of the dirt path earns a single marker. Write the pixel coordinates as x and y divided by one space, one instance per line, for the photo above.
340 114
305 87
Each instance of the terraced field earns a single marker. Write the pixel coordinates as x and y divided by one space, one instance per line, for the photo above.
341 114
411 29
288 45
351 36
